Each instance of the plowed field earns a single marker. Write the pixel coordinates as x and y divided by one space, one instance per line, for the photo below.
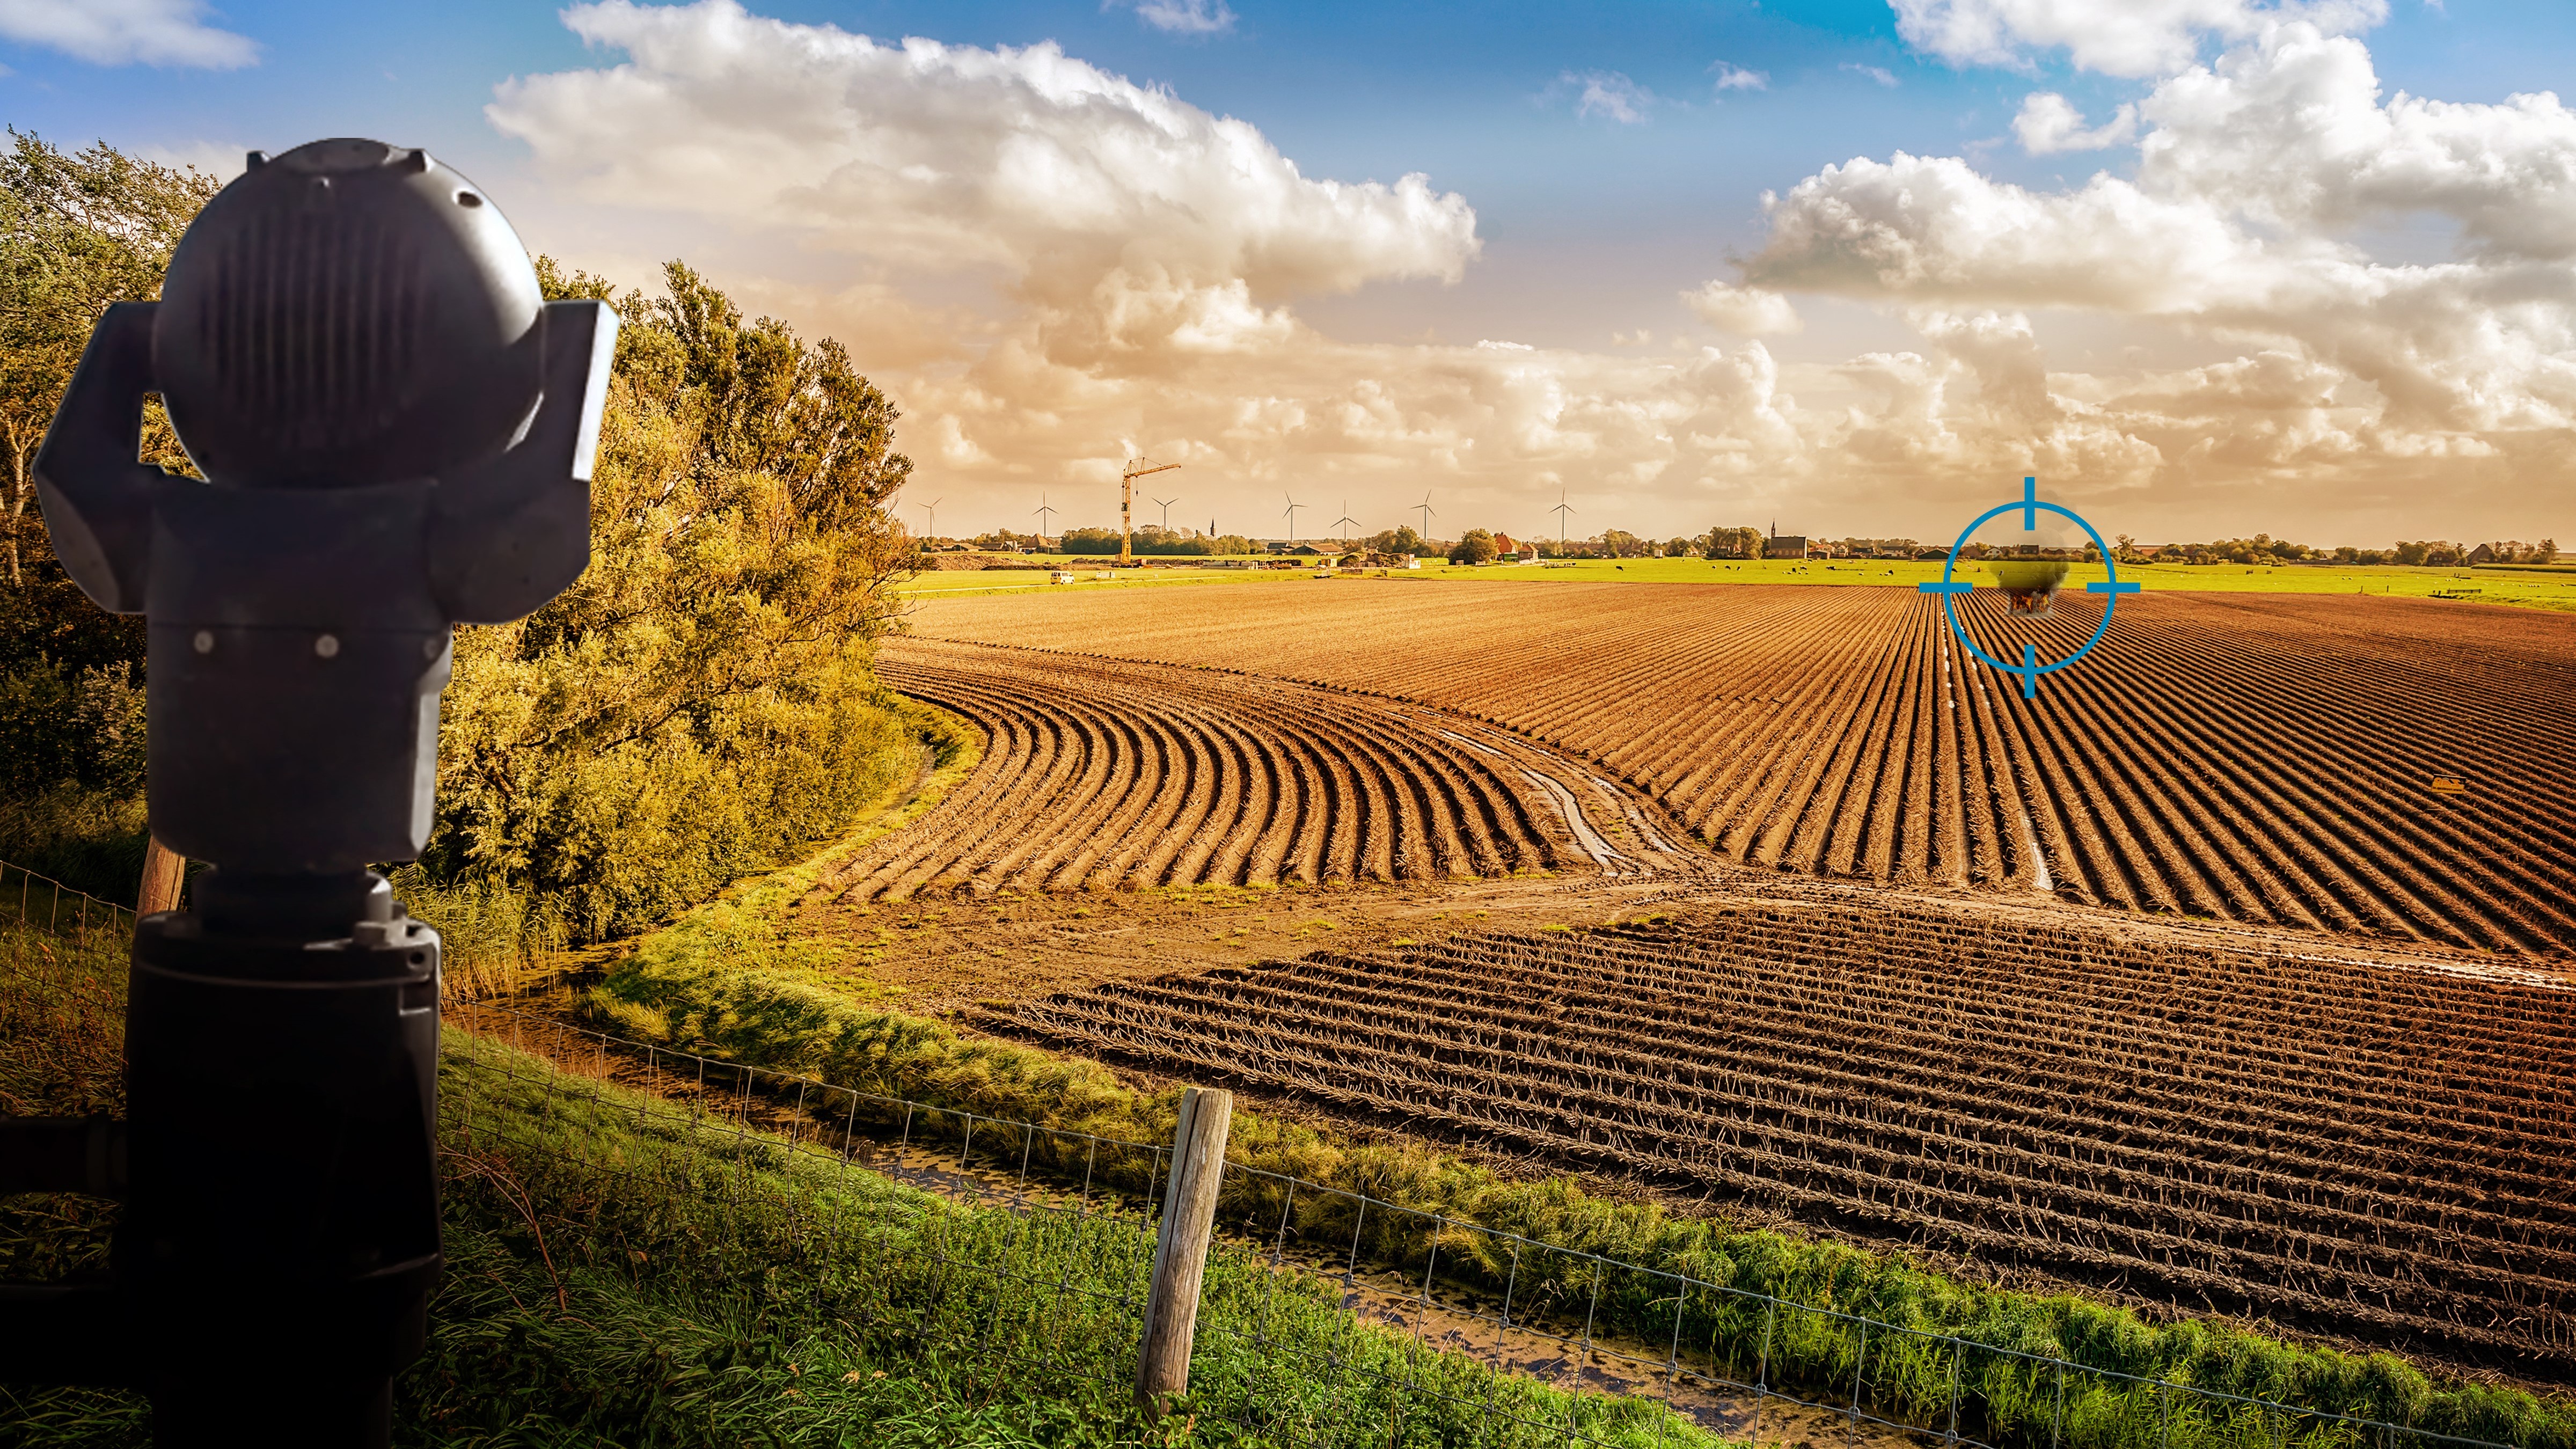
2379 1152
1099 773
2260 758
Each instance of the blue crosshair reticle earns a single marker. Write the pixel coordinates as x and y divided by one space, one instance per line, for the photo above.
2030 669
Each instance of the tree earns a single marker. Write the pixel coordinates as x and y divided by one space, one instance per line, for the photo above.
1401 539
1475 547
77 232
1732 543
701 702
763 400
2547 552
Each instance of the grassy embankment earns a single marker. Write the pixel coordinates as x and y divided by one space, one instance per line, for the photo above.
737 979
615 1276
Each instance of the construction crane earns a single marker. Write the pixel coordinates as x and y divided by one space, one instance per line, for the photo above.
1136 468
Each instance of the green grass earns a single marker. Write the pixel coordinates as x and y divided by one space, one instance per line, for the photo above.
2494 586
716 991
618 1275
2530 588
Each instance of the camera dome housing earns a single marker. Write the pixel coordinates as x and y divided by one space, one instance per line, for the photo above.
345 314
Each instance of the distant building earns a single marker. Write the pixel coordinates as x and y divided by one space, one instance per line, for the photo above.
1503 544
1778 546
2483 553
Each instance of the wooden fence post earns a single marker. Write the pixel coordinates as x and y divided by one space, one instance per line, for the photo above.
1180 1249
164 872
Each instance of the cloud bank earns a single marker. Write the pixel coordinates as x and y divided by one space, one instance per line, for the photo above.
1144 260
127 32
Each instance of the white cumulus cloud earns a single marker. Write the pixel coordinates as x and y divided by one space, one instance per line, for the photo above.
1748 310
1052 268
127 32
2049 123
2116 37
2250 177
1137 219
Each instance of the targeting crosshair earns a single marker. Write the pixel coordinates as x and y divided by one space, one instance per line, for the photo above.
2030 506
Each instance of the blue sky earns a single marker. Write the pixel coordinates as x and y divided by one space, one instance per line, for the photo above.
1590 222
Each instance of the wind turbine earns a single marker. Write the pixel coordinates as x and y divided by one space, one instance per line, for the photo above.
1345 521
1042 512
1561 509
932 507
1291 515
1427 511
1167 512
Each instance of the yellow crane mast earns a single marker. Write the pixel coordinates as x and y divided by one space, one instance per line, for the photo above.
1136 468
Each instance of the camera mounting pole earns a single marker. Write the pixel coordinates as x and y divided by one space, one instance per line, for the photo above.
396 432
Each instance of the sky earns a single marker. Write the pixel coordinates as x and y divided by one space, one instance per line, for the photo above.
2203 267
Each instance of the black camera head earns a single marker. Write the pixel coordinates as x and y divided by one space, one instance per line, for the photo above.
348 313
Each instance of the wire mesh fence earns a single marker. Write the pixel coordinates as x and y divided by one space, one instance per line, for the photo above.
1331 1317
1746 1367
1042 1278
46 904
1328 1316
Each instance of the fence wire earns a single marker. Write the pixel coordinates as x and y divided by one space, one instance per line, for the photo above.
46 904
1047 1287
1331 1317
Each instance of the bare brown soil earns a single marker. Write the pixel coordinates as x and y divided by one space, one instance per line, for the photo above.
946 953
2262 758
2360 1146
1101 774
2177 982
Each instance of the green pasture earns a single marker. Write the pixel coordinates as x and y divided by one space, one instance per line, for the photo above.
2529 588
